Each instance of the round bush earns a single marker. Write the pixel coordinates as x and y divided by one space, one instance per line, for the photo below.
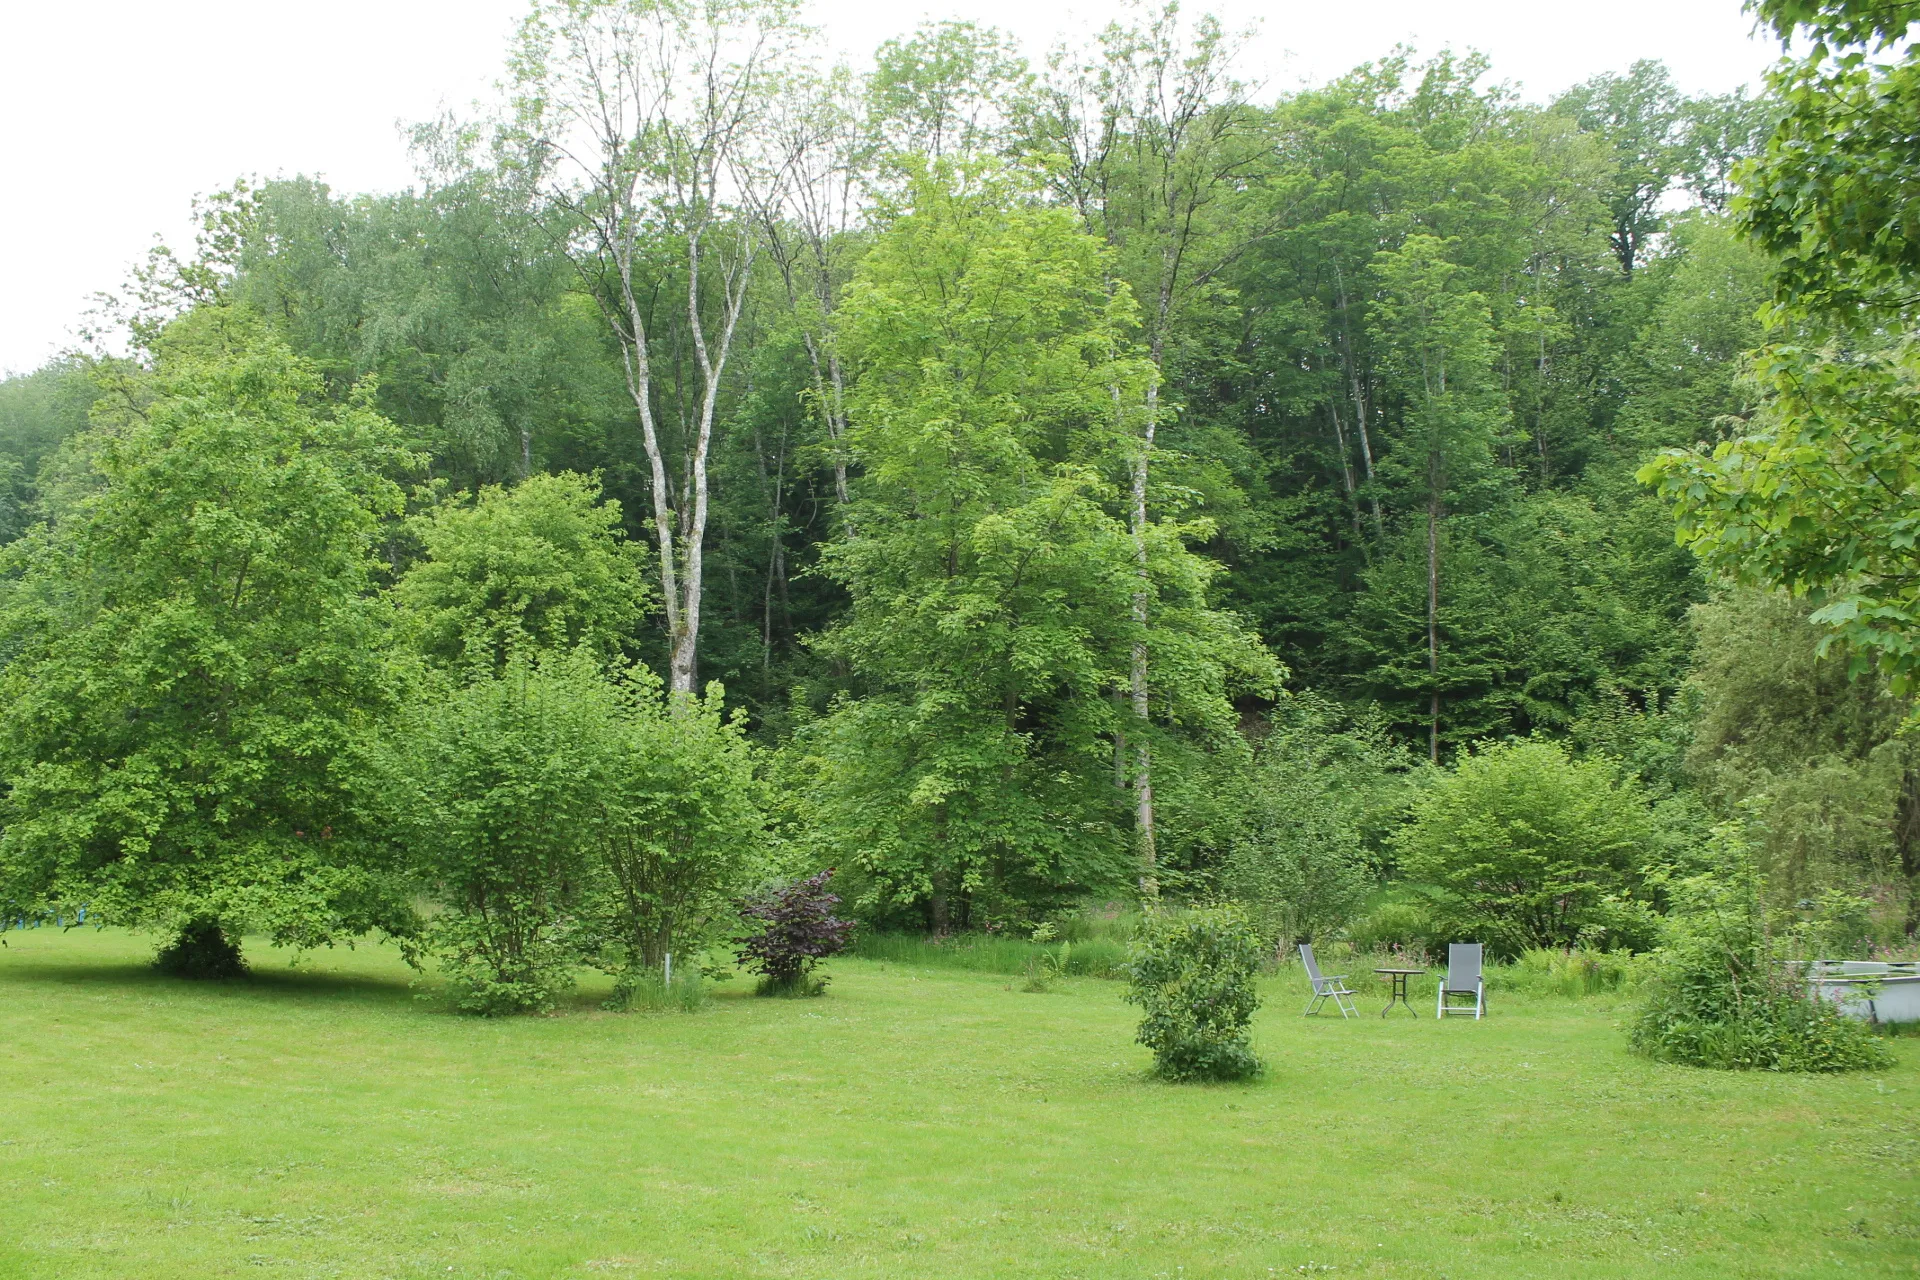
1192 975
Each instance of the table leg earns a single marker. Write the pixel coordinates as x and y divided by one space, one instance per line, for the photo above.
1398 992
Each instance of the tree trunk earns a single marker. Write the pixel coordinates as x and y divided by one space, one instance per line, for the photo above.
1906 837
1433 603
1357 389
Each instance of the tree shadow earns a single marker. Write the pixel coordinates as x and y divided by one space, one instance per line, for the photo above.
270 976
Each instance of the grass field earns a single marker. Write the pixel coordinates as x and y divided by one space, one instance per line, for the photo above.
332 1121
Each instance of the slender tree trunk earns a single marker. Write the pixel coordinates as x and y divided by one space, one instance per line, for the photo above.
1433 603
1906 836
1358 390
1143 756
1346 473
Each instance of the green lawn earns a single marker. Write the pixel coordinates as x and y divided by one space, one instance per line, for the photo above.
332 1121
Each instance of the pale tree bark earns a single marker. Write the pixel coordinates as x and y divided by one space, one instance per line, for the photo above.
643 116
1146 124
825 150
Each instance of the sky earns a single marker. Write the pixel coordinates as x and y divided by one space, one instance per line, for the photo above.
114 114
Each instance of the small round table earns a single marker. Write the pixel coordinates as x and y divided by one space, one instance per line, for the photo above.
1398 977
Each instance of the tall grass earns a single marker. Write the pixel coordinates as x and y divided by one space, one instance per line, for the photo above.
1095 958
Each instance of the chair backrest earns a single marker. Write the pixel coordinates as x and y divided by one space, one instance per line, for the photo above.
1463 966
1313 970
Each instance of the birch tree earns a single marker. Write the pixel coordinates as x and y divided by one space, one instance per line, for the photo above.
646 121
1144 136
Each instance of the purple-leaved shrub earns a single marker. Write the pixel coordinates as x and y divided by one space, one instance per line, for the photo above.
796 930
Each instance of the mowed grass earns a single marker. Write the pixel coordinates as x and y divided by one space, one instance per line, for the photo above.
330 1121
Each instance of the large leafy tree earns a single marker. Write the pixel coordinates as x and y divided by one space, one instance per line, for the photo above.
1818 493
992 577
194 651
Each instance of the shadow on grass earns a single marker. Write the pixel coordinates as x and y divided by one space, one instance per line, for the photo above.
273 977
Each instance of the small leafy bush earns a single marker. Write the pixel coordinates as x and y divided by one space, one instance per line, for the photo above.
496 792
796 930
1193 977
1720 995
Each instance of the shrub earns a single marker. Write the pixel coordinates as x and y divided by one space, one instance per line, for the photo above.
1394 926
797 930
1532 849
1193 977
1720 995
496 787
201 949
679 830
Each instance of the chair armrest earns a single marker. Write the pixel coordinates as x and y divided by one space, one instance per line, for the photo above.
1335 977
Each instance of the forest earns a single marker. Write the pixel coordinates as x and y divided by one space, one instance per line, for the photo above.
1024 483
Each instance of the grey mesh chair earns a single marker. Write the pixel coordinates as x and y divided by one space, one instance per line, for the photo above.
1463 979
1325 989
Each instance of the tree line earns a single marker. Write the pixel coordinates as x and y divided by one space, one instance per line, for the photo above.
1091 476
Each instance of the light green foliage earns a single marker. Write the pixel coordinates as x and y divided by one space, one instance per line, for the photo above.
541 566
1720 995
1814 760
1193 977
1292 829
1817 495
1688 365
495 789
563 817
945 91
992 576
1531 849
195 653
680 830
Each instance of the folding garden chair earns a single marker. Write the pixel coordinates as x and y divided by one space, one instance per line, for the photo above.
1463 979
1325 989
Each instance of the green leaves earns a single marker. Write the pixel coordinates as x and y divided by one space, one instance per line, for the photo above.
1531 849
540 566
1193 977
1821 496
198 651
993 576
565 818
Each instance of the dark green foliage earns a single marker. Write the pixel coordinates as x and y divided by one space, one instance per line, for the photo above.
201 950
1722 997
1529 848
1193 977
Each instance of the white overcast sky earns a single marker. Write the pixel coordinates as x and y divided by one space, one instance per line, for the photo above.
115 113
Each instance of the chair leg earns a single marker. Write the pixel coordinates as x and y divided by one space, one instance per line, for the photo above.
1313 1005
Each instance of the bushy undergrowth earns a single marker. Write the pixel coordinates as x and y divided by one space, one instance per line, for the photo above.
1093 957
1193 977
1720 996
